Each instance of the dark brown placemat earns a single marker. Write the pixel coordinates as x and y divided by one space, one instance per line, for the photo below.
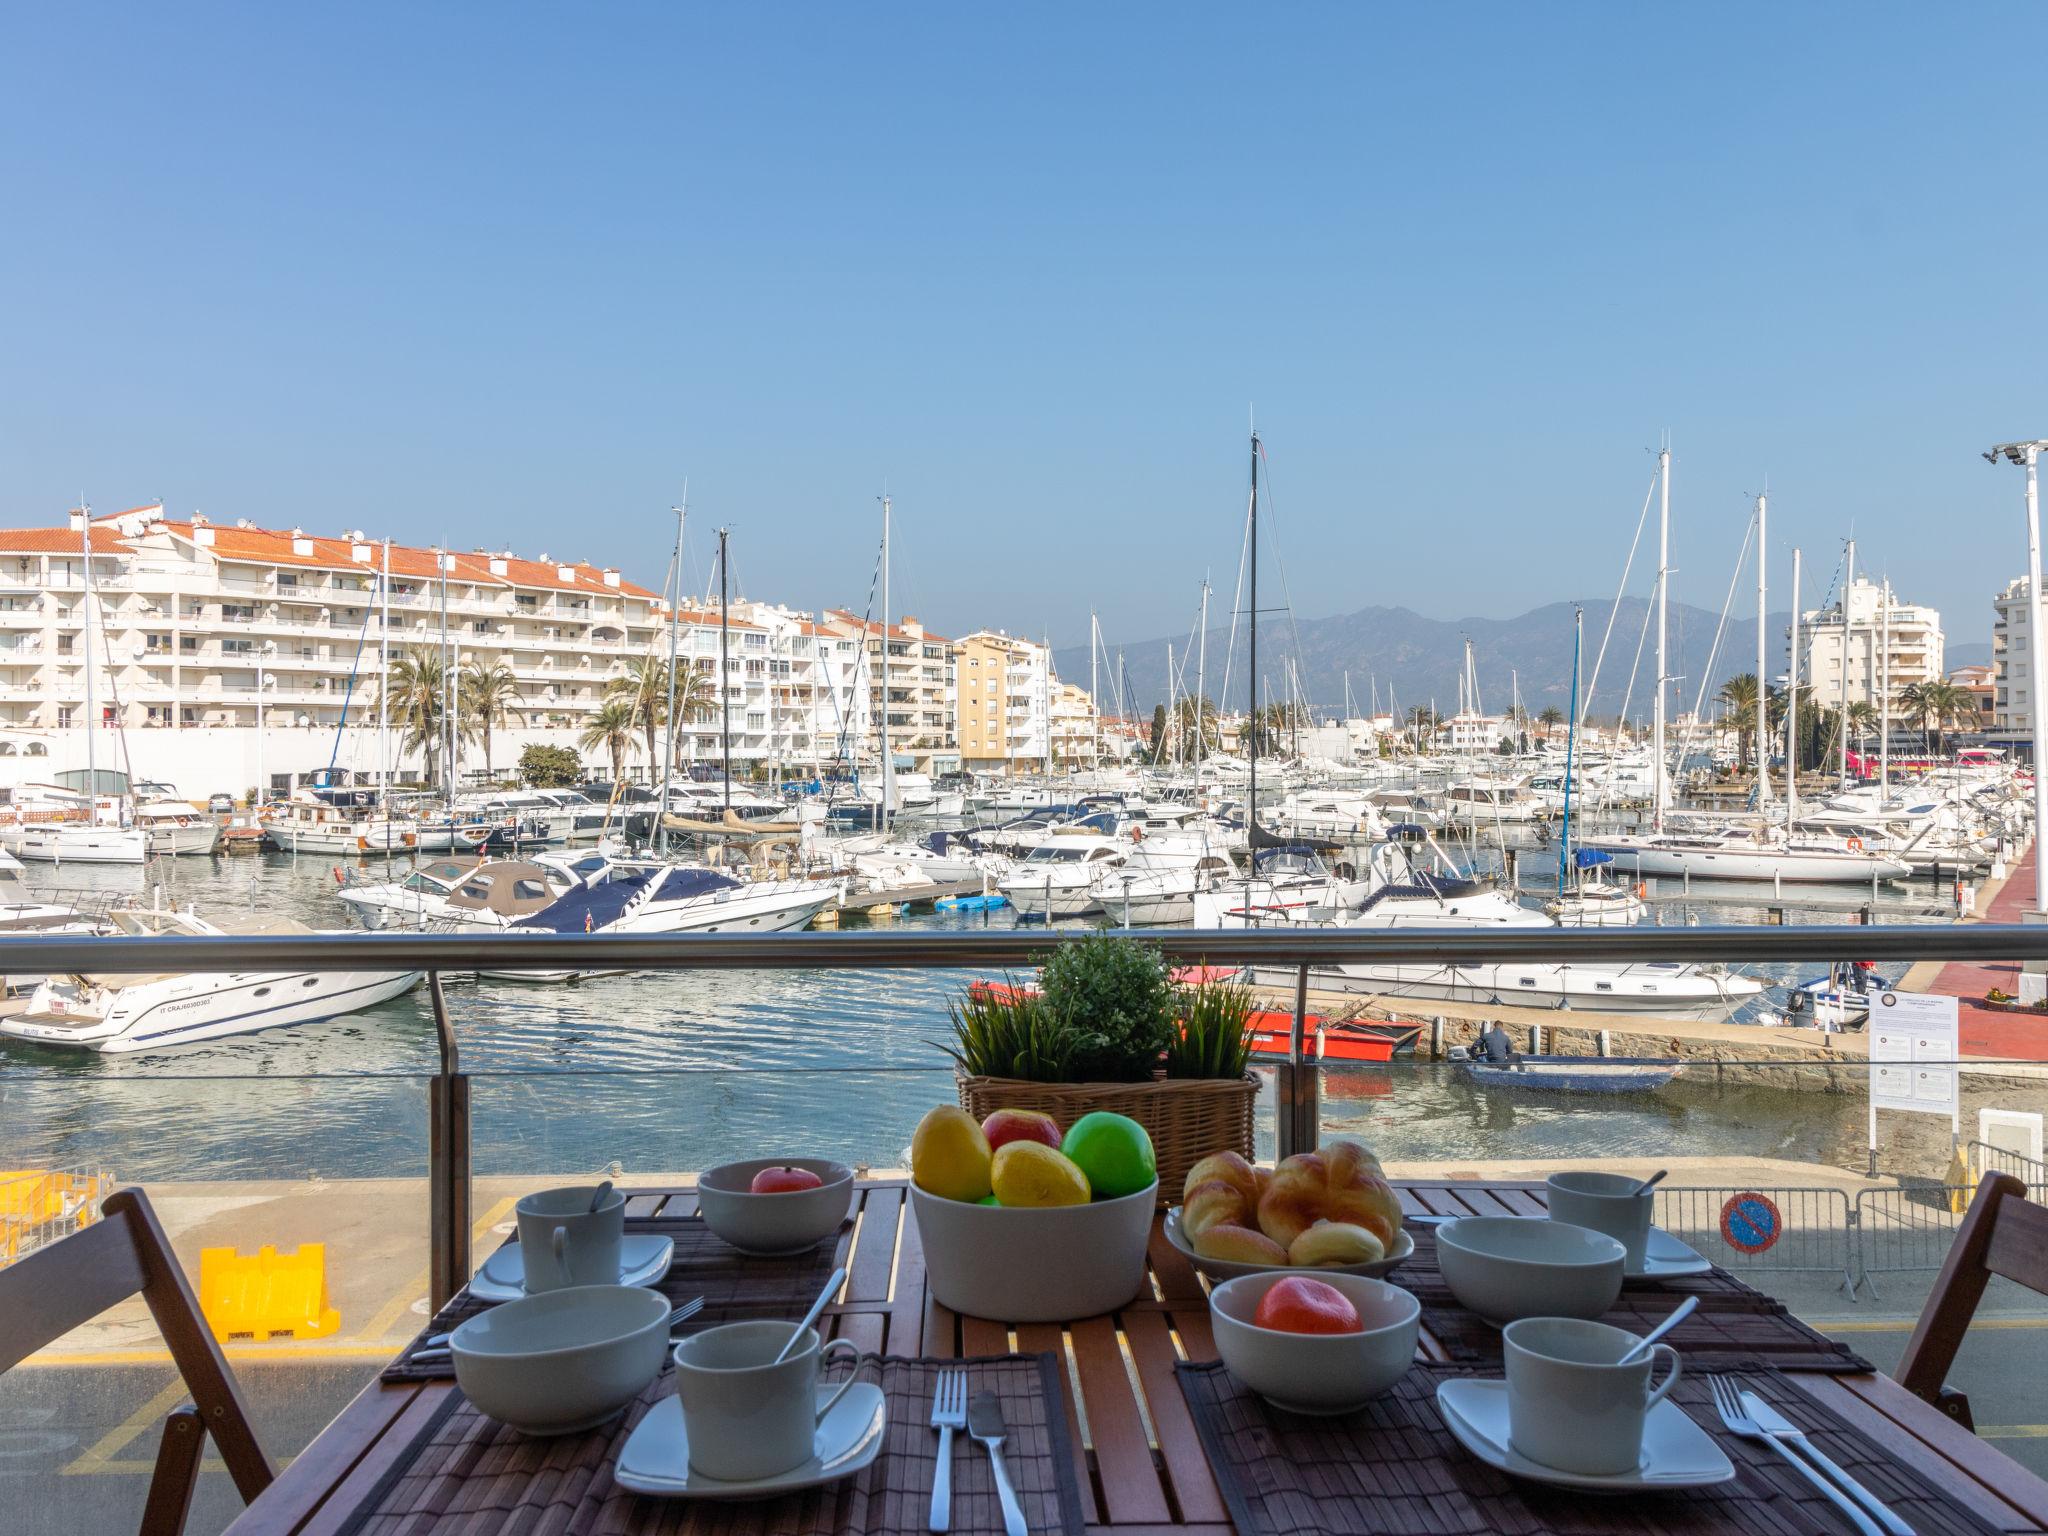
465 1473
734 1285
1393 1469
1737 1327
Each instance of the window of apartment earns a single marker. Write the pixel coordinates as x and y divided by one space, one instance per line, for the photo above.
479 626
757 669
188 715
237 647
756 720
778 669
188 645
64 714
238 613
287 578
64 643
528 601
754 642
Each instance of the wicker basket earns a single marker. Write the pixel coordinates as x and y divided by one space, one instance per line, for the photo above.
1187 1118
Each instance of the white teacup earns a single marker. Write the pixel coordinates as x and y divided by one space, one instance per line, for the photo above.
1570 1406
562 1241
745 1417
1605 1202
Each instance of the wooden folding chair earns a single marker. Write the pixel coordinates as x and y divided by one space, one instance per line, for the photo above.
72 1281
2003 1233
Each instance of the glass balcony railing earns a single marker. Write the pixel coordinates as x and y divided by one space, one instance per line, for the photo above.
715 1047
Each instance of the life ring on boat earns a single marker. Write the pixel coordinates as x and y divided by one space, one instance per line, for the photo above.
1642 890
1137 834
1855 845
339 877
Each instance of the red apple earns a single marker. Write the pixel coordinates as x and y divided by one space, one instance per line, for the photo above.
1007 1125
783 1181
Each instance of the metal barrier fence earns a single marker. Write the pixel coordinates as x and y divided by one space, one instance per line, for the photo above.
40 1205
1762 1230
1985 1158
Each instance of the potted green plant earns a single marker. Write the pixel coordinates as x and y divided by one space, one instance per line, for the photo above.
1108 1028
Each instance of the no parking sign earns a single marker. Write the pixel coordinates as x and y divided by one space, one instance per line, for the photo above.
1750 1222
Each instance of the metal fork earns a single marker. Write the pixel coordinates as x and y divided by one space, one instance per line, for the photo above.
949 1412
1728 1399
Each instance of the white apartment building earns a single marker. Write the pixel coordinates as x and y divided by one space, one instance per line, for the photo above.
920 687
1074 731
2012 699
1850 639
200 629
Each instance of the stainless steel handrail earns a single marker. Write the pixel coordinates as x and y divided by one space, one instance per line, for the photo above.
927 950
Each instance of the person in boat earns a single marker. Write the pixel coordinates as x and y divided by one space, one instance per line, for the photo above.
1495 1045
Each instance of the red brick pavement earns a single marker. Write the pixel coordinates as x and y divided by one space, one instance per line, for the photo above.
1987 1031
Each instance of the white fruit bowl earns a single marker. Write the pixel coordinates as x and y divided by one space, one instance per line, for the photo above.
789 1222
1506 1268
1317 1372
1046 1265
1403 1248
562 1360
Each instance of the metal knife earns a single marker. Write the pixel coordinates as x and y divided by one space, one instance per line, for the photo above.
1775 1424
986 1428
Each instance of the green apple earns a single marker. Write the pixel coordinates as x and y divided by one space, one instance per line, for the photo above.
1114 1151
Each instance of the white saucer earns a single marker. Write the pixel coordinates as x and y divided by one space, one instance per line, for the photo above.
1677 1453
1666 1258
1232 1269
656 1458
643 1258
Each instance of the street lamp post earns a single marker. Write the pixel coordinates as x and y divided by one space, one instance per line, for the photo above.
2027 455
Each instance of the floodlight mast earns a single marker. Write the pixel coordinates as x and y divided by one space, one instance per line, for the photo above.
2028 455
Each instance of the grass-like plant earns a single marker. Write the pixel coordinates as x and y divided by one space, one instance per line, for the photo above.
1213 1035
1009 1031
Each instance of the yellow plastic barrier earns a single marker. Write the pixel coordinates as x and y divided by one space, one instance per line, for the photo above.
266 1294
1962 1183
40 1204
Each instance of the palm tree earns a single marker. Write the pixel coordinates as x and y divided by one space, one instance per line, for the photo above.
1934 705
610 728
696 699
414 701
643 686
1190 716
1738 697
1863 720
486 694
1550 719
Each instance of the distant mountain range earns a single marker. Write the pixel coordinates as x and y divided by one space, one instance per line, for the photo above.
1419 659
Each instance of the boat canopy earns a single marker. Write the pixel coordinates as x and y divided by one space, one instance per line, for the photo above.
1592 858
588 908
682 884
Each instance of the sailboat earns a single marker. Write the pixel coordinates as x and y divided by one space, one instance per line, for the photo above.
91 841
1585 897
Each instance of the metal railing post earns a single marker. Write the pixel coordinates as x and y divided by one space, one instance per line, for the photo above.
1296 1087
448 1192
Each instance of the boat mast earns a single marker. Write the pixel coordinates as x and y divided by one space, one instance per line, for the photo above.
1792 708
724 688
1094 699
447 731
92 767
1201 685
1170 727
384 693
1252 799
1571 739
1661 787
888 757
1763 645
674 623
1842 723
1884 707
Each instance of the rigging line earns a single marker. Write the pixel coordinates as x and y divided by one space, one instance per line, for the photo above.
1714 651
1621 720
354 667
1236 608
859 673
1279 559
1593 681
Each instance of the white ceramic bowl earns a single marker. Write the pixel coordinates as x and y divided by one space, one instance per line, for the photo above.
1232 1269
1046 1265
774 1224
1510 1267
562 1360
1317 1372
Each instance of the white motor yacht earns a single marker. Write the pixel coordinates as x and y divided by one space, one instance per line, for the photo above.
1484 801
146 1013
83 842
1058 877
1158 884
1284 886
1748 853
175 827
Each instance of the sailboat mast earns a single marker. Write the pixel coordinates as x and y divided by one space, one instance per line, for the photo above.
724 687
447 691
1171 725
92 766
384 692
1252 800
1884 702
1201 685
1571 741
888 757
675 604
1842 721
1763 646
1792 708
1094 698
1661 787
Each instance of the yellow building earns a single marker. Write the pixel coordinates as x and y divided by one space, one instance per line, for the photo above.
1002 702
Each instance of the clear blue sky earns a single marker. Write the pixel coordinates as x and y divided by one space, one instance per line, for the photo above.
511 274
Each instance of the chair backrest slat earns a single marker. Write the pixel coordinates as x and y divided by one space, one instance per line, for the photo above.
70 1282
2019 1243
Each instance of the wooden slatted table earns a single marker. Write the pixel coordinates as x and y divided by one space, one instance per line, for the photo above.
1141 1467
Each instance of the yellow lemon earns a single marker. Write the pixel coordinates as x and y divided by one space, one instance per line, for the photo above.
949 1157
1031 1173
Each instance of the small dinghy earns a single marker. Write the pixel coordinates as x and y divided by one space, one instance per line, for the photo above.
1574 1074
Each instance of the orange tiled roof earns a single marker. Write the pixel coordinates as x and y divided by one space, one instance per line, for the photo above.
58 541
868 627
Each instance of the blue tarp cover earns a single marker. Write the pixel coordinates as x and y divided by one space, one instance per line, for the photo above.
587 908
1592 858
